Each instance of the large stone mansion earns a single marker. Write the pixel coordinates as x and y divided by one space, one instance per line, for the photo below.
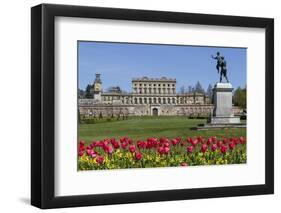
149 96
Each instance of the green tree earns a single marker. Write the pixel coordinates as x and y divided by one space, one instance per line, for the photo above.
209 91
79 116
81 93
190 89
182 89
239 97
88 91
199 88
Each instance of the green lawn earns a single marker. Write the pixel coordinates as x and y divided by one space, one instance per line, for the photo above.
140 128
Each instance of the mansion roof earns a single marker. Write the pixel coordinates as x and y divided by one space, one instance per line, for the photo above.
123 93
154 79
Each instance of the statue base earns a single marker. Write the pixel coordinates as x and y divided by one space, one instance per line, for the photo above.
224 120
223 115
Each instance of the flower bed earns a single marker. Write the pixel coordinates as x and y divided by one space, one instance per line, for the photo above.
160 152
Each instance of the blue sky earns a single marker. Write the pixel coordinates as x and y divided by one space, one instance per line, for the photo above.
118 63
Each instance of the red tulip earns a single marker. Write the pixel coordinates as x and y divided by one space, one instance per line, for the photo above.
189 149
161 150
132 148
184 164
242 140
141 144
81 148
178 139
113 140
200 139
90 152
214 147
152 139
93 144
104 143
80 153
204 148
163 140
138 156
214 139
149 144
189 139
166 150
81 142
231 145
100 159
124 145
166 144
130 141
116 145
109 149
219 143
194 142
174 142
223 149
209 141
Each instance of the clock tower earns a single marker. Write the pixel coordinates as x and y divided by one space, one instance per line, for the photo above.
97 88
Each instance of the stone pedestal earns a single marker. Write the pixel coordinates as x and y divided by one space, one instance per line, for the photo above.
222 113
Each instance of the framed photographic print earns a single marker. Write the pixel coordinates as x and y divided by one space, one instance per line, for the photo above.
140 106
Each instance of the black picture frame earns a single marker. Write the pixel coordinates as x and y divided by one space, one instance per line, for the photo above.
43 102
